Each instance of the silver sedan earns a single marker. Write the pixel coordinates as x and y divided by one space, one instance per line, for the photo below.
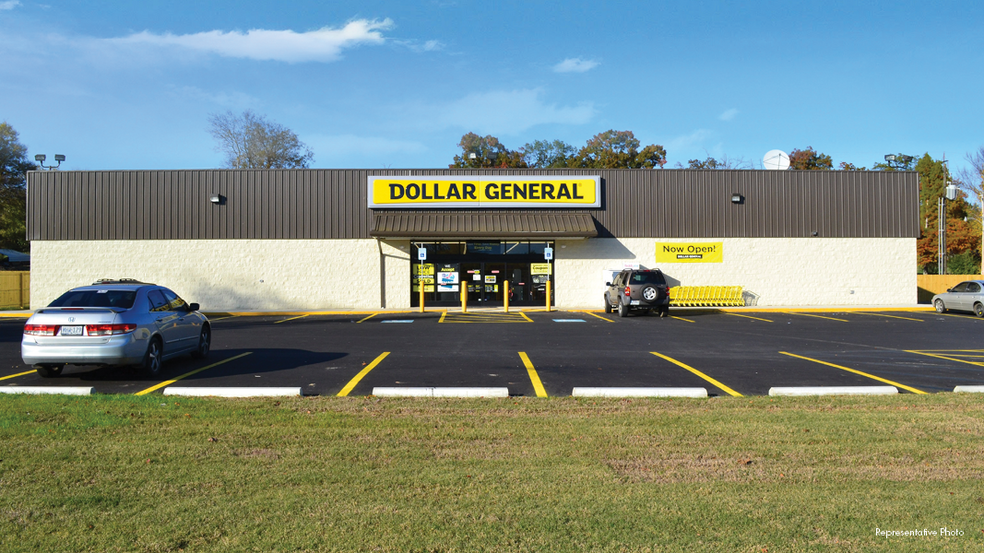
114 322
966 296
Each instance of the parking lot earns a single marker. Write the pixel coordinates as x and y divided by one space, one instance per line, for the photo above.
535 353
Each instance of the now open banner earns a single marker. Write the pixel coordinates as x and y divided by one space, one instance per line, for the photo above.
689 252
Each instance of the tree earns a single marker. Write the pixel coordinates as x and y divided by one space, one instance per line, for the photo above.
896 162
619 150
478 152
810 160
972 182
845 166
934 176
249 141
714 163
13 195
542 154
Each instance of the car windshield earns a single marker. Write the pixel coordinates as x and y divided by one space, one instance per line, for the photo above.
96 298
647 278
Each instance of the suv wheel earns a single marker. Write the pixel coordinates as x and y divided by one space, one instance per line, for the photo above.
608 305
623 309
650 293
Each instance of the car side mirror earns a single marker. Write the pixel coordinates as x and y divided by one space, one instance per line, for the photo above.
194 307
949 289
608 284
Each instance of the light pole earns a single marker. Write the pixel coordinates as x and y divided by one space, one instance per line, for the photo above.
41 157
950 194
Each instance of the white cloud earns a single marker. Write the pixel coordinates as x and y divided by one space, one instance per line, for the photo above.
9 4
728 115
688 142
507 112
343 146
575 65
227 100
322 45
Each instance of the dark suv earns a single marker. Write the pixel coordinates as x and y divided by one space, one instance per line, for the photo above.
638 289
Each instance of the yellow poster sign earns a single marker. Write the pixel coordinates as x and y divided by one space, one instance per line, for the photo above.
485 191
689 252
540 268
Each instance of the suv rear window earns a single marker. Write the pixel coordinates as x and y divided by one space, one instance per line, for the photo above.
648 277
96 298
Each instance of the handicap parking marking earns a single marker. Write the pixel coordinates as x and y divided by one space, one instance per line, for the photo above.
855 371
471 318
953 354
187 374
18 374
698 373
355 380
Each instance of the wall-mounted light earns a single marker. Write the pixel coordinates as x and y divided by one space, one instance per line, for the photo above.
215 198
737 198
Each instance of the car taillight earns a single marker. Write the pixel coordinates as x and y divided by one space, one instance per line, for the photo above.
109 330
41 330
628 291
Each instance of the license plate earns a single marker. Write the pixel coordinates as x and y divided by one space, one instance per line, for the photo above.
634 302
71 331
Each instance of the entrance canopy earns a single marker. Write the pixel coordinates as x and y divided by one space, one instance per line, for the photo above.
538 226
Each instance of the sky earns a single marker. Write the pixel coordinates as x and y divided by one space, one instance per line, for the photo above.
395 84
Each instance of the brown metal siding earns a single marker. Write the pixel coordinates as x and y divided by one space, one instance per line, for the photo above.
322 204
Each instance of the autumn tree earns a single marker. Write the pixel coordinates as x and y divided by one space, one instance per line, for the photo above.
249 141
13 195
486 152
810 160
961 238
716 163
543 154
619 150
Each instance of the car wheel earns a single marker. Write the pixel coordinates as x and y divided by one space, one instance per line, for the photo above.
49 371
152 359
650 293
664 311
979 310
608 305
204 343
940 308
623 309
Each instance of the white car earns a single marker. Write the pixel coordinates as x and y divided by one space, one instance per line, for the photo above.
114 322
966 296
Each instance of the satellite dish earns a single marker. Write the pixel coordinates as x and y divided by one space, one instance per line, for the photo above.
776 160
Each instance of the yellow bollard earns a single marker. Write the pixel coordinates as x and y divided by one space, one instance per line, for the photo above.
421 297
464 297
548 295
505 294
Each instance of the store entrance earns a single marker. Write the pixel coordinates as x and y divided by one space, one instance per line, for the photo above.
482 269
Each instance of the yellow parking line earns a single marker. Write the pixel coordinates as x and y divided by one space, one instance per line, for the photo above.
444 314
599 316
348 387
16 375
969 316
747 317
817 316
698 373
682 319
185 375
525 317
891 316
537 385
948 358
222 318
298 317
367 318
878 378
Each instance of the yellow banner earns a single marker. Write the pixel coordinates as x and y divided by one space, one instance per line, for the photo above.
540 268
689 252
485 191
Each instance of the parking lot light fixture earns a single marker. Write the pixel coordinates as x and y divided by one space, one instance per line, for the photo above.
41 157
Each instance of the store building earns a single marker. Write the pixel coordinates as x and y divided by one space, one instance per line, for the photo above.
313 239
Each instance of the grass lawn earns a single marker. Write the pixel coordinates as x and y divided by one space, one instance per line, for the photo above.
124 473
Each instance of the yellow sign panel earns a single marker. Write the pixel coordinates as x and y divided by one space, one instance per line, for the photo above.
540 268
689 252
485 191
